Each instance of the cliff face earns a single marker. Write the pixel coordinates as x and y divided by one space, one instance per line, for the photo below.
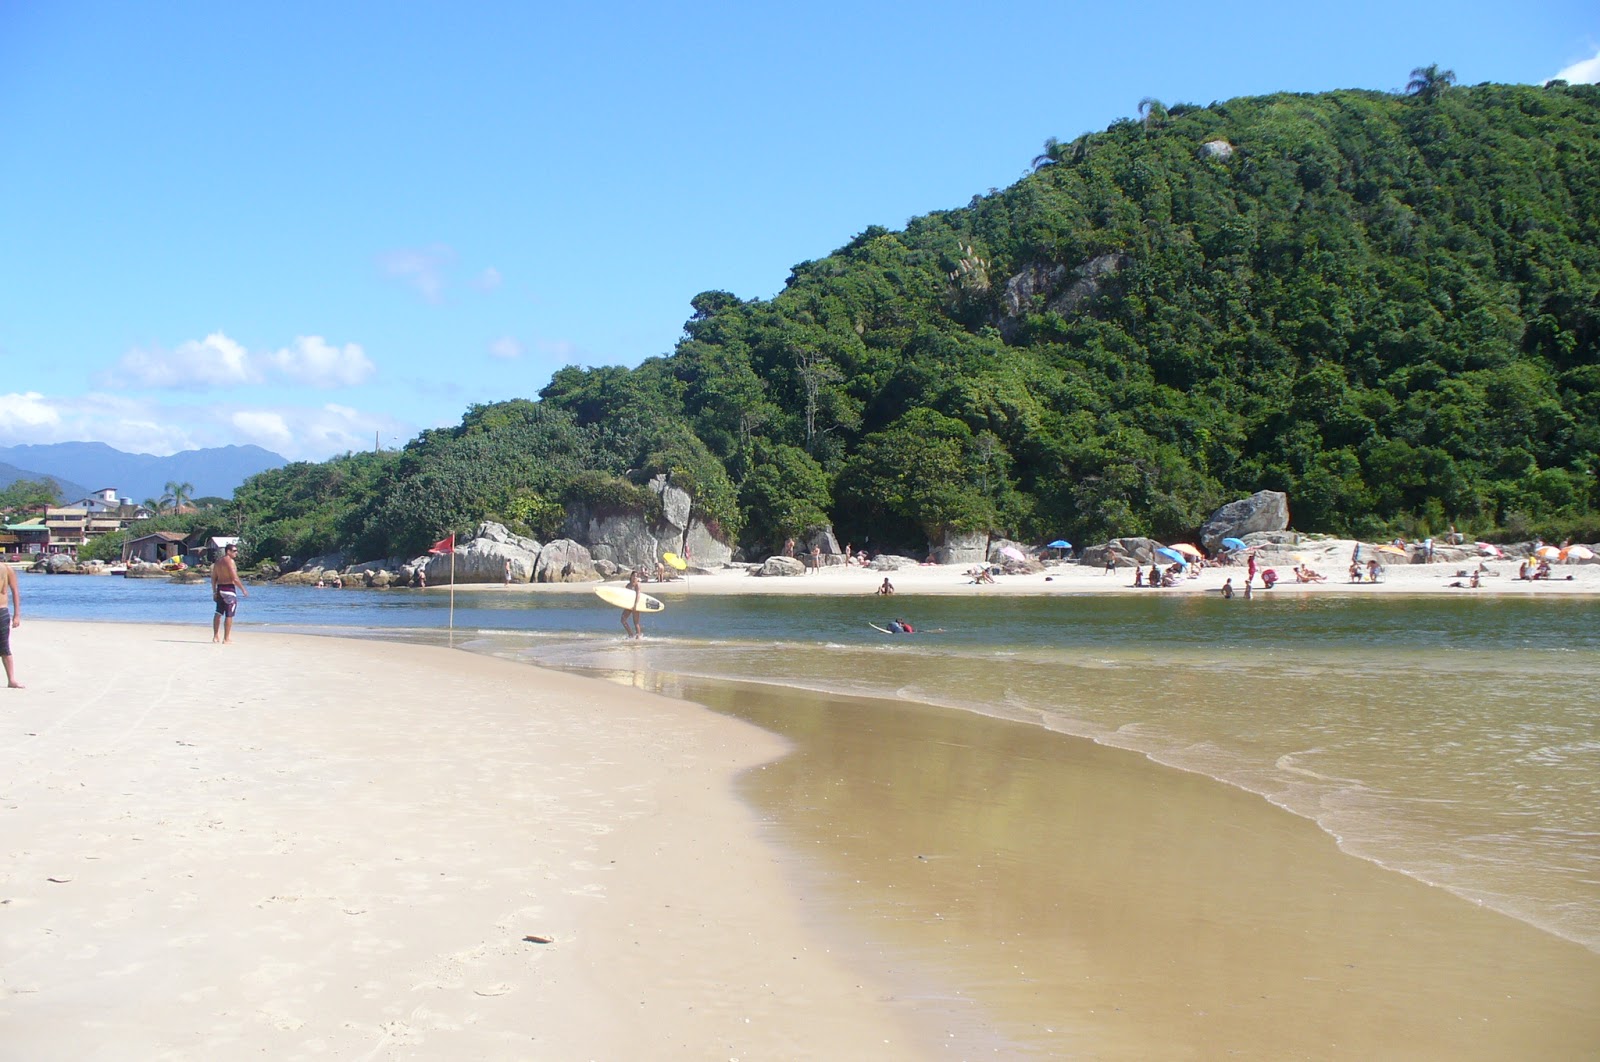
633 539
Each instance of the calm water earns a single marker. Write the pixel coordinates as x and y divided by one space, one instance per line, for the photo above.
1456 740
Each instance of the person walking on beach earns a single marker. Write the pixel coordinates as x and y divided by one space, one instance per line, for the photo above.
637 630
1111 561
508 571
225 590
10 617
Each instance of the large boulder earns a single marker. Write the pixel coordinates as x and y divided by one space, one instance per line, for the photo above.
483 560
1265 510
960 547
498 533
779 565
889 562
564 561
1129 552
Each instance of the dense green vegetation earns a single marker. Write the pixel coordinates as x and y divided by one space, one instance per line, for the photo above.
1387 306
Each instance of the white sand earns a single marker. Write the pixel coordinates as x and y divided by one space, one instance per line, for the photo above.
295 847
1330 557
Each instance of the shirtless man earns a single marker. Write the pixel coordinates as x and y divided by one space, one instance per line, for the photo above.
226 586
637 630
10 616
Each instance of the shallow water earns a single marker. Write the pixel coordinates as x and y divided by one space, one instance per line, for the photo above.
1453 740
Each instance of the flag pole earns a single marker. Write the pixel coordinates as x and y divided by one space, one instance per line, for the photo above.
452 592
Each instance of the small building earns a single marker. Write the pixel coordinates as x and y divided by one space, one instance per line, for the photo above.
103 500
216 544
29 536
156 547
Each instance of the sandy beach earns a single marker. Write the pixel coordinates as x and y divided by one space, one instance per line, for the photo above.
1329 557
298 847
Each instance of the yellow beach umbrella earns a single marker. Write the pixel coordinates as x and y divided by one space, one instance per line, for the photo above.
1392 549
1187 550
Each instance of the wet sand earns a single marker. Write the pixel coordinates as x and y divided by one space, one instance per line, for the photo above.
1094 905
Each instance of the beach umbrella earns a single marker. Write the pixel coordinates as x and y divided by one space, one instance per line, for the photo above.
1186 549
1233 543
1577 553
1391 549
1061 543
1489 549
1014 553
1172 555
1547 553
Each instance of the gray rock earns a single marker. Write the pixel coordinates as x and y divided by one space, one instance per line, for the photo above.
889 562
498 533
564 561
780 566
1216 149
1130 552
965 547
1265 510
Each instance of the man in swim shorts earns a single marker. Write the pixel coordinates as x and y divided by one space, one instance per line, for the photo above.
10 616
226 586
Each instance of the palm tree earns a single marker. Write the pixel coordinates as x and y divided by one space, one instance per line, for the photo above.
155 505
1151 110
1052 150
179 493
1428 81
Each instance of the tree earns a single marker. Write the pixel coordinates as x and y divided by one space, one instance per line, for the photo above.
29 494
1429 81
179 493
1051 155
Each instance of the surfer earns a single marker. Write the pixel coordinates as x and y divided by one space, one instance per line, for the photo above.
900 626
637 630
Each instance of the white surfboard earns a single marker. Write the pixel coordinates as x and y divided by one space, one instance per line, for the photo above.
622 597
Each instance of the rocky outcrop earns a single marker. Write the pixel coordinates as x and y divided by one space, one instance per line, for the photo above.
960 547
564 561
1216 149
1064 292
888 562
631 540
1265 510
1129 552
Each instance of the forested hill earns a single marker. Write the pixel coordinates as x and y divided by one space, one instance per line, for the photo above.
1384 305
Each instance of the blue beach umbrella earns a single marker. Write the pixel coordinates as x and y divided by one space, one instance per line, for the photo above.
1172 555
1060 543
1233 543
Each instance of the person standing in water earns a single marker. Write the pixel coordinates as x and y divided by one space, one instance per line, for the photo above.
226 586
637 630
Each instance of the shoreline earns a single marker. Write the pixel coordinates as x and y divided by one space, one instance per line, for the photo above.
309 846
883 977
1330 557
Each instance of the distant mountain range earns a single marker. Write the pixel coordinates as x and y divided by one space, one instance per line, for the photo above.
213 472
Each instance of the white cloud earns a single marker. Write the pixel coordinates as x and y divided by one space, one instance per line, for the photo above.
557 348
218 362
21 413
507 348
1584 72
488 280
313 360
421 268
152 426
195 365
263 428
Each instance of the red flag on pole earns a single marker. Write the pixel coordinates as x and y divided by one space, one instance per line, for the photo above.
444 545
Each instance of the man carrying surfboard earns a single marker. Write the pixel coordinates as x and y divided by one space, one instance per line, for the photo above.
637 630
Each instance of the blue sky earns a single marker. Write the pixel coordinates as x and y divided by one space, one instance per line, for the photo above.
314 227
